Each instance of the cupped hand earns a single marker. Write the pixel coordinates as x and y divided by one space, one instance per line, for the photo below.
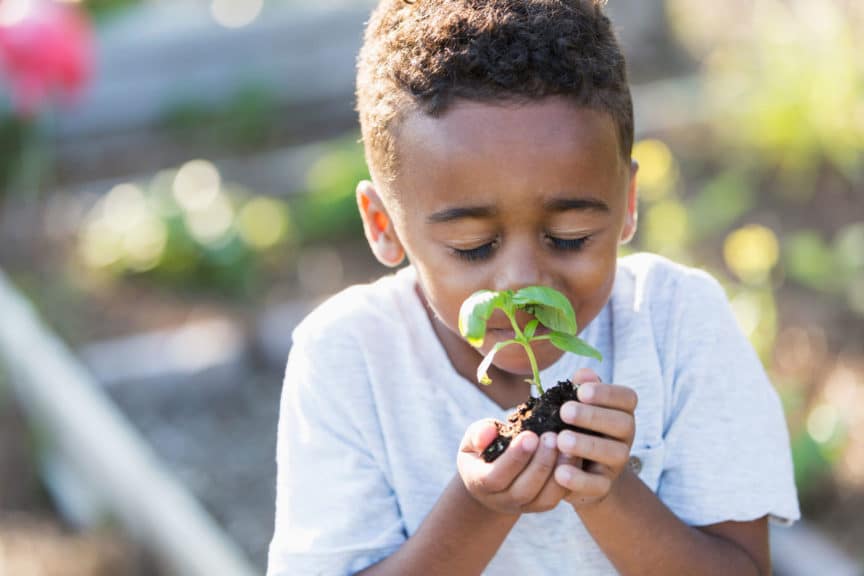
521 479
608 411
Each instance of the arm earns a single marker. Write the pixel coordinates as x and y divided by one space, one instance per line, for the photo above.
479 507
641 536
459 536
635 530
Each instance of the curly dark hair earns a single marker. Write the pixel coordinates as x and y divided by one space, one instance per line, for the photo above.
423 55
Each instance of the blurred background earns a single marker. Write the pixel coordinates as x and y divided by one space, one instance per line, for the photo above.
177 191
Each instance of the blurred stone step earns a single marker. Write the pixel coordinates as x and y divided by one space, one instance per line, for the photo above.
193 352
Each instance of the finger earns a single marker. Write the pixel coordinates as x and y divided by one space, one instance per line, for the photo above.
478 436
549 496
530 482
613 423
596 468
501 473
472 467
552 492
582 484
608 395
585 375
604 450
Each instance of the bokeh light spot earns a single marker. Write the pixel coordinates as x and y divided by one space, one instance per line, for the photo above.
263 222
235 13
124 206
751 252
822 422
197 185
666 228
99 244
144 244
748 312
211 225
657 169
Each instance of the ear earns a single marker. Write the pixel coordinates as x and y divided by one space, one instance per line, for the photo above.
631 217
378 226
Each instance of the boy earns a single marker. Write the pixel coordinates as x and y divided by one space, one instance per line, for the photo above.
498 135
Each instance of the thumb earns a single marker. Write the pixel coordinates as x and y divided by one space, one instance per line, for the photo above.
479 435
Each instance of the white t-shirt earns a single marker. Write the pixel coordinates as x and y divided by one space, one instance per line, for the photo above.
373 413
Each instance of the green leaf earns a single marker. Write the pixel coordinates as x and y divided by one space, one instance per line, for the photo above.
574 344
475 312
549 306
530 328
482 370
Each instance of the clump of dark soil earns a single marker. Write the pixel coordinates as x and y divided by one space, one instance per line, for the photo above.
538 415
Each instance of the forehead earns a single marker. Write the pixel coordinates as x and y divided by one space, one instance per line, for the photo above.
547 146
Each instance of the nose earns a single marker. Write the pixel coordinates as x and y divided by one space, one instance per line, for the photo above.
519 265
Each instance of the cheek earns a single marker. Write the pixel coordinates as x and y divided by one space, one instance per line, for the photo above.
591 283
445 291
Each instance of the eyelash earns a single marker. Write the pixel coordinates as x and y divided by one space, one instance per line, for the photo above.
474 254
483 252
568 243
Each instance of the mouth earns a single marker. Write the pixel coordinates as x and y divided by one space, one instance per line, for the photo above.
508 333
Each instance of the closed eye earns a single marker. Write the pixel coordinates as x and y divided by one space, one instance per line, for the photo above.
574 244
473 254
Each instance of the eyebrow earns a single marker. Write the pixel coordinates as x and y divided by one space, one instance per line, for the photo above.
556 205
450 214
584 204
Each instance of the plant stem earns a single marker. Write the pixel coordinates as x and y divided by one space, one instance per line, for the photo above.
526 343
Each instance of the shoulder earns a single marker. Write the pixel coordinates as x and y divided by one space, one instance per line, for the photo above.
660 285
357 311
673 307
652 272
336 343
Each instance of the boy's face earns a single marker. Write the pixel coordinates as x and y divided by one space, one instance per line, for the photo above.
495 197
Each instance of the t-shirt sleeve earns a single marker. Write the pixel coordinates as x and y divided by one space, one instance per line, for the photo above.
336 513
728 456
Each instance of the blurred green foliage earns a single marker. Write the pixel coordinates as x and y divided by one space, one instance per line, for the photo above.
328 209
245 121
188 229
104 9
184 229
26 155
785 82
13 136
785 89
690 219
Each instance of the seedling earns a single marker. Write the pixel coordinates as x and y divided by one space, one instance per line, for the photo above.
549 308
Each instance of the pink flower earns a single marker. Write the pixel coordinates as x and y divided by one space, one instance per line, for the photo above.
45 48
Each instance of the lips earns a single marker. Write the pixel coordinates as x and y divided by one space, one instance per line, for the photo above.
507 332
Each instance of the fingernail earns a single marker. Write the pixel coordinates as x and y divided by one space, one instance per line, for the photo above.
586 391
564 475
549 440
568 411
529 444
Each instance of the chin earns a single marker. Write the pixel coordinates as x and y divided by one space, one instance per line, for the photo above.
513 360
